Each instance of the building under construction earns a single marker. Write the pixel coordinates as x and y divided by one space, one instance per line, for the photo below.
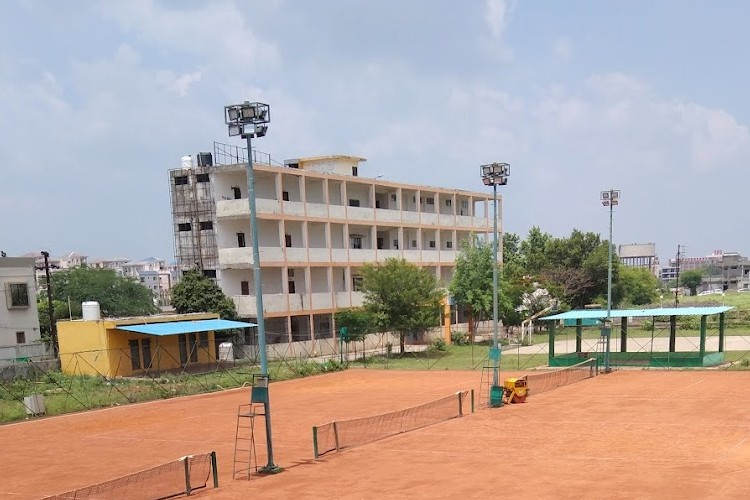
194 215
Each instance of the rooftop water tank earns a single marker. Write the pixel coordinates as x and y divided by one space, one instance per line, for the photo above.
91 311
187 161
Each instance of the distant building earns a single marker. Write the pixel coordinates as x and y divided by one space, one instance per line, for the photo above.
19 317
641 255
725 271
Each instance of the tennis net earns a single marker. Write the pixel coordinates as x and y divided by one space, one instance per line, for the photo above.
342 434
176 478
538 383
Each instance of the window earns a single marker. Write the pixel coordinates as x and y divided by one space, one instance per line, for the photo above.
357 283
285 195
464 203
292 165
381 243
377 203
20 337
395 244
448 203
353 202
18 295
241 240
185 226
393 197
355 171
414 243
209 273
292 287
448 244
202 178
356 241
207 225
180 180
146 347
244 287
430 201
432 244
288 240
236 192
290 273
135 355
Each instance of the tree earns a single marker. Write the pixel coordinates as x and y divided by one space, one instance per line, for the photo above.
117 296
637 286
403 297
471 285
358 322
196 293
59 311
692 279
534 251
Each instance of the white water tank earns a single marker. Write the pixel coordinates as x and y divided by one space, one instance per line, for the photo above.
91 311
187 161
226 351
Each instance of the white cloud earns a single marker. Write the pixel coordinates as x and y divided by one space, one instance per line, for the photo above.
179 84
562 48
216 30
497 16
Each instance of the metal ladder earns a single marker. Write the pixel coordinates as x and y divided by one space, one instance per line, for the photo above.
245 457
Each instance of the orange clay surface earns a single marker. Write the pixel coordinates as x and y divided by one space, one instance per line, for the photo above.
628 434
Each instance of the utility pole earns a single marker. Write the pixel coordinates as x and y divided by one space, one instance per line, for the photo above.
677 284
50 309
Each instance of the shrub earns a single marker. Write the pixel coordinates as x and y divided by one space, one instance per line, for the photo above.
460 338
438 345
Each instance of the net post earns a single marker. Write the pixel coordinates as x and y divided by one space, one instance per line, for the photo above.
186 462
214 469
315 442
472 401
336 435
460 408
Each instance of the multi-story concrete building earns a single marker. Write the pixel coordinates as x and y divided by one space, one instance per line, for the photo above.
19 318
722 270
319 222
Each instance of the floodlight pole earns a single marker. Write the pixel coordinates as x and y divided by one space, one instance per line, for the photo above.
495 342
494 174
249 120
609 199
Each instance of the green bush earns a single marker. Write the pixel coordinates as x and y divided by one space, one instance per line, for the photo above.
438 345
460 338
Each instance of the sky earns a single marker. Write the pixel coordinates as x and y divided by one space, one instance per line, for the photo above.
99 99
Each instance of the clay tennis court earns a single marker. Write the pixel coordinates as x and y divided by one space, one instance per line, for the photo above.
628 434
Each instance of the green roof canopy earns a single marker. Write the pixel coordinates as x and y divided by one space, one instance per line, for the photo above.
638 313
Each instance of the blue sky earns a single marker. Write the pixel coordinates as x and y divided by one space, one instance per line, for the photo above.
99 99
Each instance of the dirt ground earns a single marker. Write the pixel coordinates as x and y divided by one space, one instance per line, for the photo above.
628 434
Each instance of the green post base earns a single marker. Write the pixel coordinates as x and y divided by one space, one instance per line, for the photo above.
496 396
270 469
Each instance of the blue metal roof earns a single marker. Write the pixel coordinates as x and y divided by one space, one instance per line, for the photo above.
178 327
638 313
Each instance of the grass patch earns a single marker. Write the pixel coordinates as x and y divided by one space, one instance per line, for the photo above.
454 357
70 393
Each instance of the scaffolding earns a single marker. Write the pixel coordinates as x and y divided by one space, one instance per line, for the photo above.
194 217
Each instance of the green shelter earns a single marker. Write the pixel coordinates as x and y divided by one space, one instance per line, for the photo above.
696 356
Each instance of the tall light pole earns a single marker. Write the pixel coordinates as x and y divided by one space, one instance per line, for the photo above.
495 174
250 120
609 199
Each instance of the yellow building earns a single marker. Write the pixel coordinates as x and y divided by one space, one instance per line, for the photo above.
121 347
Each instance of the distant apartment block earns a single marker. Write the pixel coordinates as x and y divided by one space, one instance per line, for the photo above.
19 318
722 270
319 222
